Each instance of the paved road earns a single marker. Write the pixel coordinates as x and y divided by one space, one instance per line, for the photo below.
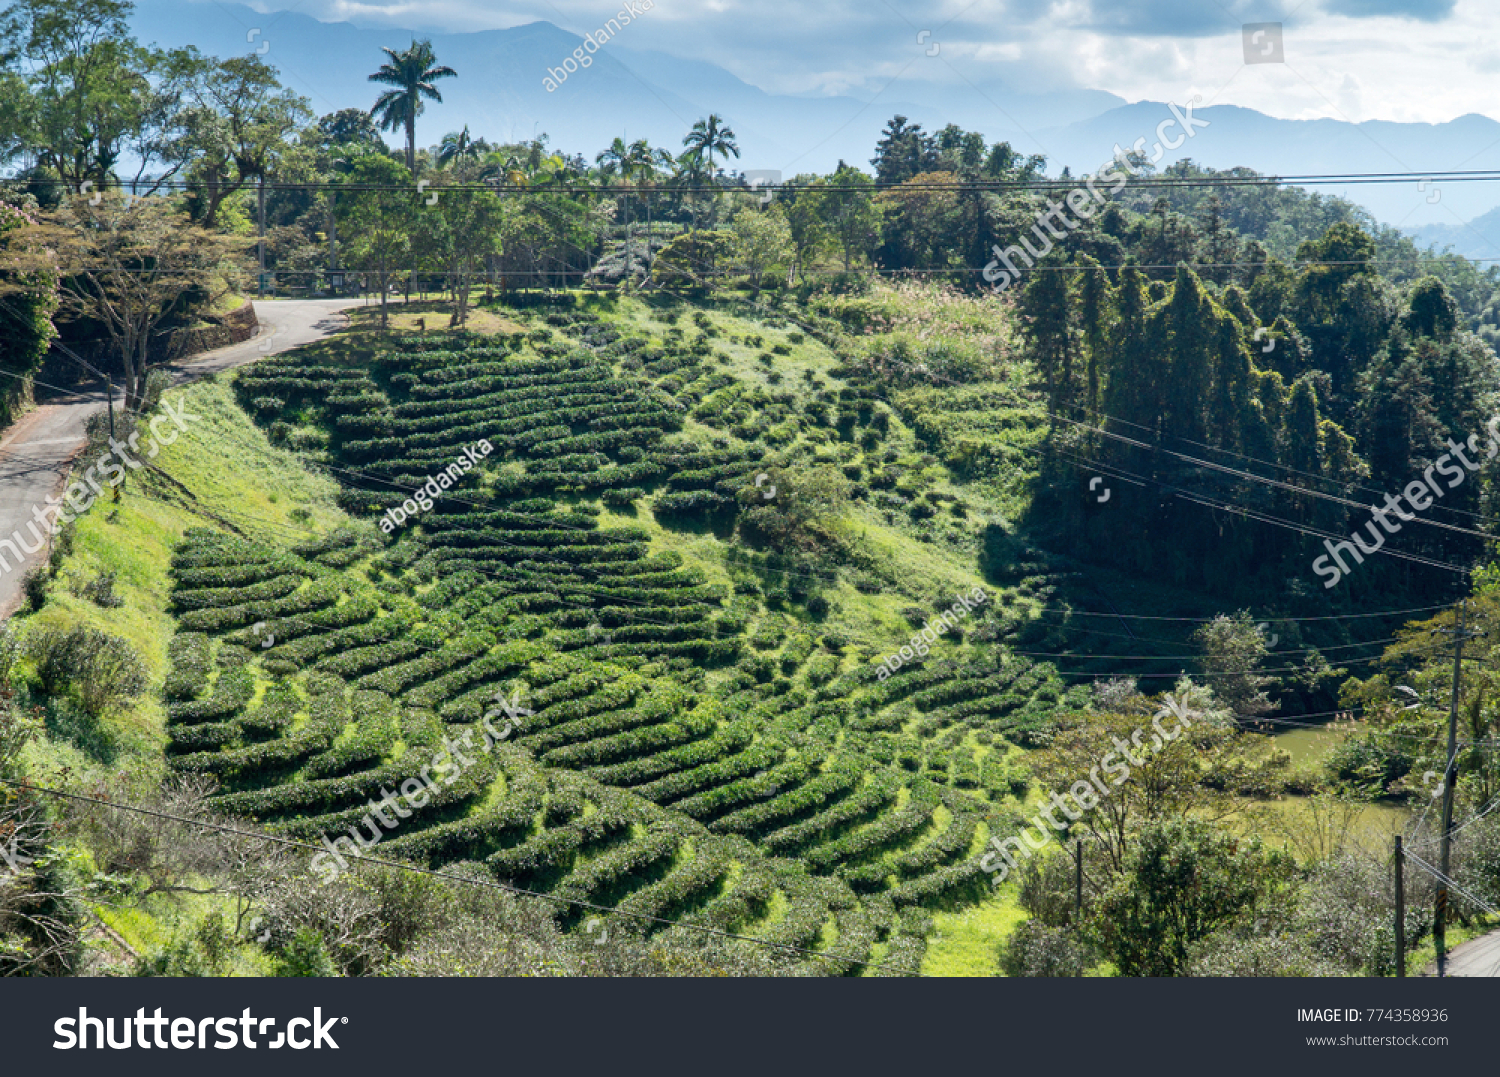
36 452
1477 957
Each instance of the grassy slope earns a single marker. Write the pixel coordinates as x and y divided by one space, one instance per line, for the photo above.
221 469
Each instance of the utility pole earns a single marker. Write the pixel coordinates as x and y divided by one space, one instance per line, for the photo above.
1400 910
333 235
1078 883
1450 775
260 199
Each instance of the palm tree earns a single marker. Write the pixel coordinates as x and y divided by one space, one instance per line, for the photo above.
411 74
616 160
709 137
645 162
688 176
457 145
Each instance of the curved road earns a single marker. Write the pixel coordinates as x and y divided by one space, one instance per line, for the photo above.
37 452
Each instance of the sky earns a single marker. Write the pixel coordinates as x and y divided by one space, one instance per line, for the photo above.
1404 60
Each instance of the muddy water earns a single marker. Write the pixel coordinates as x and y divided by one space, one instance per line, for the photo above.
1375 824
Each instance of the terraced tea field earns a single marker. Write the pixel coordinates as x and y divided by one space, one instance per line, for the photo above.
691 753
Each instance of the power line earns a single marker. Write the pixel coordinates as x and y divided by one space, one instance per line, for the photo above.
1283 467
1252 477
1156 181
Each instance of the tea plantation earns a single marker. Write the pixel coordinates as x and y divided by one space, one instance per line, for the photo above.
702 747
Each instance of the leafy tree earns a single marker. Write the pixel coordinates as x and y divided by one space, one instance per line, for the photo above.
1183 880
239 120
132 269
346 127
1234 650
693 257
464 228
410 73
28 300
922 222
848 210
762 240
809 231
377 216
1190 774
85 83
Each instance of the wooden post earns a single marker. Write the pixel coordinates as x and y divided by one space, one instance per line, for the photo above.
1078 884
1400 910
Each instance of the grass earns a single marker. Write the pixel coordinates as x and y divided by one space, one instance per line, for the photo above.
405 317
967 943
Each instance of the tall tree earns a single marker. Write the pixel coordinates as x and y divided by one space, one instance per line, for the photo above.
85 79
239 119
904 150
376 220
28 300
456 146
708 138
849 211
410 73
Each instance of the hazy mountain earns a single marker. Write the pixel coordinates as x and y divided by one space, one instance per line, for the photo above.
500 94
1479 238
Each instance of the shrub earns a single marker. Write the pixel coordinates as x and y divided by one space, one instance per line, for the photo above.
104 669
101 591
62 545
34 586
620 498
1038 950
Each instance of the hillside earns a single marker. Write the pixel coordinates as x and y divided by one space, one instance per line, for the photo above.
712 739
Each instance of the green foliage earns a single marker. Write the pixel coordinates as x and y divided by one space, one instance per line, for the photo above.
103 671
1182 881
